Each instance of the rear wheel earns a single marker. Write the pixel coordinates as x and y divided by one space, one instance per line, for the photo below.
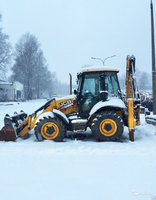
50 129
107 126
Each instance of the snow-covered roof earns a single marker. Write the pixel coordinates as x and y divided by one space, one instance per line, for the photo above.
98 68
2 82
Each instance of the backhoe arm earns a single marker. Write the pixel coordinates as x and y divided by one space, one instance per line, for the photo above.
132 97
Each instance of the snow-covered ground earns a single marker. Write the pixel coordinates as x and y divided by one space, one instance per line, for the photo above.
77 169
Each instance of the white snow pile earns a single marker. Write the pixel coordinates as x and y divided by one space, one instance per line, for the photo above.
77 169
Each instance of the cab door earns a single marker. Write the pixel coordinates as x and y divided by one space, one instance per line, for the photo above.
89 93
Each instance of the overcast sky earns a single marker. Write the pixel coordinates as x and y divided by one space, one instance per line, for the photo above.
72 31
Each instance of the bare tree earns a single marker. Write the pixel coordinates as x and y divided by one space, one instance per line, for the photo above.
5 52
122 80
30 67
145 81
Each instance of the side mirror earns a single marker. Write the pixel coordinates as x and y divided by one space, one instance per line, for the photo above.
75 91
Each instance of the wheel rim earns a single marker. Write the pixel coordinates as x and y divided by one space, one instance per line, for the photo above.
49 130
108 127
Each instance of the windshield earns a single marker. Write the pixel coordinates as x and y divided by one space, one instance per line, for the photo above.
94 84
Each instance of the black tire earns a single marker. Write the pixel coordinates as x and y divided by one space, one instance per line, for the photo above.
107 126
50 129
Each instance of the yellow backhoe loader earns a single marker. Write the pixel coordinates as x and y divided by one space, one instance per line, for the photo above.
97 103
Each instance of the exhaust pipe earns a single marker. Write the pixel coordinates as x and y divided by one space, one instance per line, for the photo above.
70 83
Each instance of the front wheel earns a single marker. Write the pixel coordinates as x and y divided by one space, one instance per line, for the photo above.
50 129
107 126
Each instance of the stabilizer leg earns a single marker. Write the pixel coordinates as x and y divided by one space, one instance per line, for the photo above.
131 135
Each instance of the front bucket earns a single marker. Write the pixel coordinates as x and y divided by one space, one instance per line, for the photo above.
7 133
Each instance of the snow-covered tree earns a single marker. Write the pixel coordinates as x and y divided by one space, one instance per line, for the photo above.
145 81
5 52
30 67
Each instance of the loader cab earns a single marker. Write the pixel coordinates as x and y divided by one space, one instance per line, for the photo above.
95 86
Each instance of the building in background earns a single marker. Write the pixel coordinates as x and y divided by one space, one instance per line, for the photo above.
11 91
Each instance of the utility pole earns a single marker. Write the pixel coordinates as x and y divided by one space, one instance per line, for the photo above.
153 61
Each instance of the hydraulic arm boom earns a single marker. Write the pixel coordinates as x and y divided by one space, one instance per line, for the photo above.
132 97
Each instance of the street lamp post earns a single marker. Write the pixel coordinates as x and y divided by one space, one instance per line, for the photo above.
103 61
98 59
108 57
